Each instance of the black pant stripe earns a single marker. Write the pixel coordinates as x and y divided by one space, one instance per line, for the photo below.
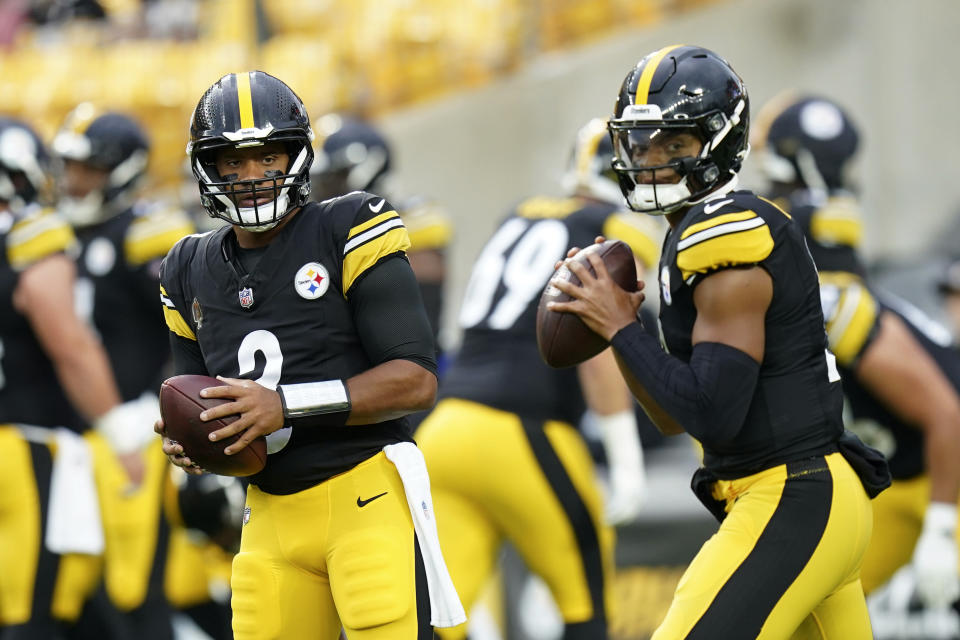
779 555
48 563
152 619
583 528
424 628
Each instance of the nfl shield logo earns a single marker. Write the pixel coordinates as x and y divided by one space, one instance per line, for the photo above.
246 297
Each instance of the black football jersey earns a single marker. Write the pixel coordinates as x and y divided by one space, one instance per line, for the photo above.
852 312
29 390
499 364
289 320
117 280
797 405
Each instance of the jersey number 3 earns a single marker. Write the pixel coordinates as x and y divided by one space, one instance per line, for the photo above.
266 343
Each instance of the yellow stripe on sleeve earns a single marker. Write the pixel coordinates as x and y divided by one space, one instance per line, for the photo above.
174 320
245 99
635 232
837 224
37 237
154 237
366 255
850 326
177 324
372 222
739 247
646 76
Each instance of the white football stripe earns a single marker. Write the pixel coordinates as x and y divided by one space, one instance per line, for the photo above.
719 230
371 232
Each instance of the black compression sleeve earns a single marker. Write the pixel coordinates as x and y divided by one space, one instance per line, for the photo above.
709 397
187 357
390 317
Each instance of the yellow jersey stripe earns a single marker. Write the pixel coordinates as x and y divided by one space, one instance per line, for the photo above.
245 99
540 207
177 324
145 245
850 327
368 254
644 247
837 225
372 222
713 222
646 76
36 238
730 249
431 236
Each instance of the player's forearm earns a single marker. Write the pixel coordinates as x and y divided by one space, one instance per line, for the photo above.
709 397
84 372
390 390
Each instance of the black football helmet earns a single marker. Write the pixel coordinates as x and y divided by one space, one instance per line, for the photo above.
245 110
112 142
590 169
351 156
24 165
674 95
806 141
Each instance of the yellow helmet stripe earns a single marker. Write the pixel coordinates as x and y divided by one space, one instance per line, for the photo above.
246 100
589 150
646 77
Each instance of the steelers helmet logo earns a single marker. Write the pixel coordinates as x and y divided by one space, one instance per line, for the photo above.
312 280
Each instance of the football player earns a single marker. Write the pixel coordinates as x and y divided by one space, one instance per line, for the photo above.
55 381
505 458
311 316
900 374
747 372
352 155
102 162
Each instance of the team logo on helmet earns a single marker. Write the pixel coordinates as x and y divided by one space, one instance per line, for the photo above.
312 281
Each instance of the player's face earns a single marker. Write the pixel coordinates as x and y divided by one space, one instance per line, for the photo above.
80 178
653 147
252 163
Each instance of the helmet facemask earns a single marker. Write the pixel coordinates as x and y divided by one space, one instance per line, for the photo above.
658 162
281 191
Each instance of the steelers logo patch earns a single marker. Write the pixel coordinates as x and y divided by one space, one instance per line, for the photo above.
312 280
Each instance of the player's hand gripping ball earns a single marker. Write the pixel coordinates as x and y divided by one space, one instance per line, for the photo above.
563 338
180 407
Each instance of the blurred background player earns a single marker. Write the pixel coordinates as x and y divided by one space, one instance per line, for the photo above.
353 155
56 382
900 374
101 167
505 458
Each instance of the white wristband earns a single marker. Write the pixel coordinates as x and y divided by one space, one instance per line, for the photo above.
620 438
128 427
314 398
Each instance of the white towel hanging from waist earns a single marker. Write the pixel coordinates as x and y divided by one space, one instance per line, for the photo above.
445 607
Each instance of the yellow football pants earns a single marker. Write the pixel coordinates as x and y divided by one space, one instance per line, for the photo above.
36 586
784 563
341 553
496 477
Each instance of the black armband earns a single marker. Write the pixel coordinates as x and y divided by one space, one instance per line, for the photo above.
709 396
315 404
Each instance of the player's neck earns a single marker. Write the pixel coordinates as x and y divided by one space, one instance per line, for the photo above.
675 217
247 239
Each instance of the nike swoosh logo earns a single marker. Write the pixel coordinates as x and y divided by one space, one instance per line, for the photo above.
363 503
713 206
376 209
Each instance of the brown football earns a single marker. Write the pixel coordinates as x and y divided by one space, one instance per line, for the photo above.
180 407
564 340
